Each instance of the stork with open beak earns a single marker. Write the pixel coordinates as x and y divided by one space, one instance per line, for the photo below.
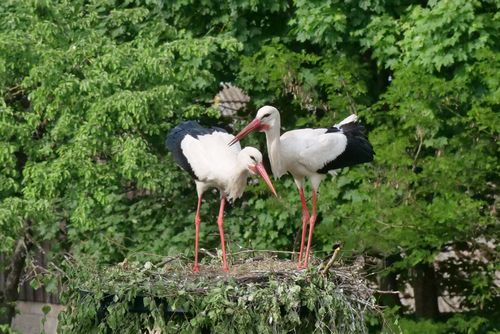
205 154
311 153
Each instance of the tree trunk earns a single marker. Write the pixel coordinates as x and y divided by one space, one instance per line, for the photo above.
426 292
389 282
13 271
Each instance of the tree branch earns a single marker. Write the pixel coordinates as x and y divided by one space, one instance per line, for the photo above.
14 271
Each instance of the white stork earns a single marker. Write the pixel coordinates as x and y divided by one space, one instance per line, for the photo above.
310 153
205 154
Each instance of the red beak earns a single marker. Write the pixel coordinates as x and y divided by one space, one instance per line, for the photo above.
252 126
262 172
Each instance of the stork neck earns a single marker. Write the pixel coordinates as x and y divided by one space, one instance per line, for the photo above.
274 150
237 182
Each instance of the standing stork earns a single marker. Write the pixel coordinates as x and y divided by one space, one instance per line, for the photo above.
311 153
205 154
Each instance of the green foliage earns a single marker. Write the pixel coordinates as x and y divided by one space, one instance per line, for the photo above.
425 326
98 103
444 34
457 324
7 329
323 22
255 299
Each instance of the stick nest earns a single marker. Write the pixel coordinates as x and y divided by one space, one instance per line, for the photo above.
259 295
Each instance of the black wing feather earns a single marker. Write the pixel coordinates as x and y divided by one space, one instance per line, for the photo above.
358 149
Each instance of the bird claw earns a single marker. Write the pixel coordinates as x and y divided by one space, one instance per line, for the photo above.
196 268
302 264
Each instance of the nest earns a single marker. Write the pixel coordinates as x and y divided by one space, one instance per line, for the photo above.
261 270
259 294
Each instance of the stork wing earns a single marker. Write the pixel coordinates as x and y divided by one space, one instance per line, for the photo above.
350 119
313 148
325 149
210 156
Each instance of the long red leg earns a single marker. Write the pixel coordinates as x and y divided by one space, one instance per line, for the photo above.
305 218
220 222
197 220
311 227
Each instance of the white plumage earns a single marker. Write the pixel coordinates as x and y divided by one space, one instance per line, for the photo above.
215 164
306 151
206 155
311 153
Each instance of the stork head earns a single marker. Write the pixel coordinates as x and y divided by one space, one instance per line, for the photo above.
251 158
267 117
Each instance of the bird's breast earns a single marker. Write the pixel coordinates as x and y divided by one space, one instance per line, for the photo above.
236 186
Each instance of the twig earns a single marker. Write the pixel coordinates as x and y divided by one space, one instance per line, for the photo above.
385 292
420 136
260 251
206 252
168 259
332 259
52 264
352 103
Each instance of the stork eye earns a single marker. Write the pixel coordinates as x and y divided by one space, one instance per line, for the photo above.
253 158
266 115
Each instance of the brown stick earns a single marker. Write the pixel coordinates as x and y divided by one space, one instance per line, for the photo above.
331 261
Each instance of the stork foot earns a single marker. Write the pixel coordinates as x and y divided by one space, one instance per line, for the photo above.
225 269
301 265
196 268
